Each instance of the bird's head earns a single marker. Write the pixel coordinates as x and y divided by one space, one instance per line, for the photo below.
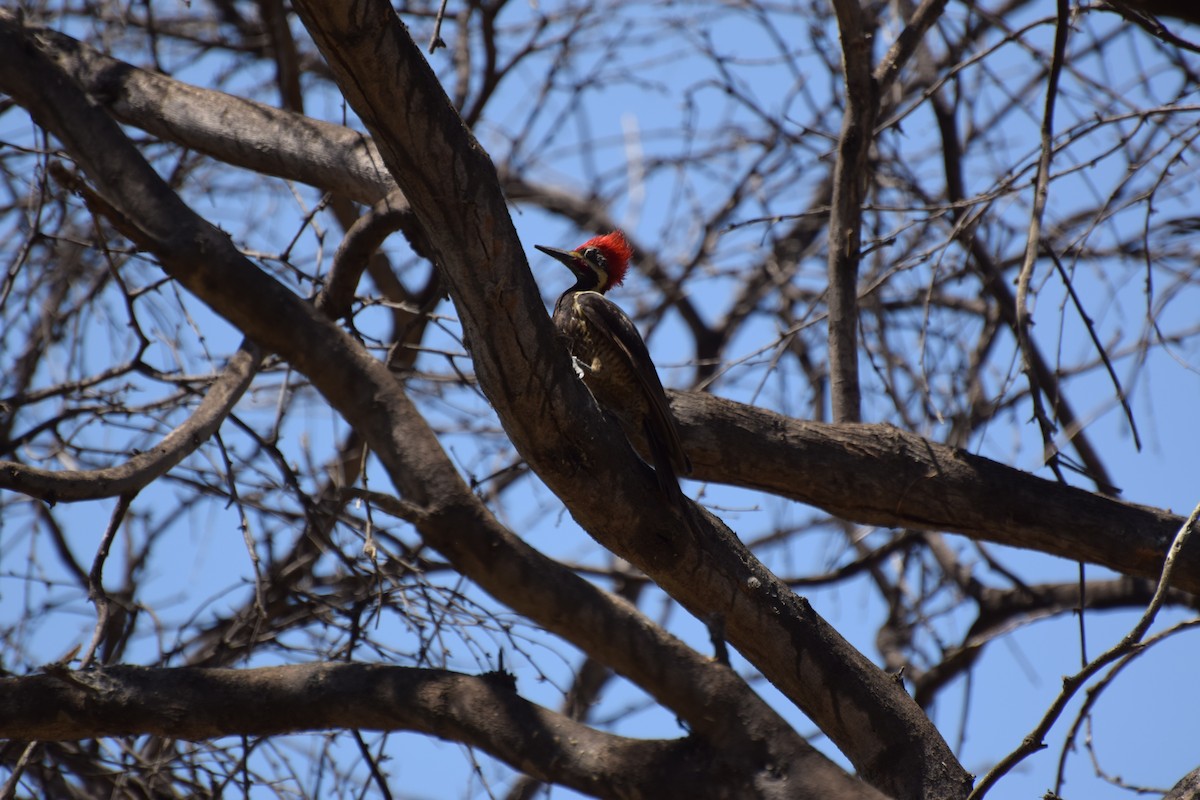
599 263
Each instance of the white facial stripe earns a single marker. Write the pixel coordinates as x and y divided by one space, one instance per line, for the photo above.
595 260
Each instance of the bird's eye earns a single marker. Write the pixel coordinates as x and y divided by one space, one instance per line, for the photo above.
594 255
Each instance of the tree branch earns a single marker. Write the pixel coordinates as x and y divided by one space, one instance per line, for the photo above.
481 711
850 180
252 135
881 475
128 478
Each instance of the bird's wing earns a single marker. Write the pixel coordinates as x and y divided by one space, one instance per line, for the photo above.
606 319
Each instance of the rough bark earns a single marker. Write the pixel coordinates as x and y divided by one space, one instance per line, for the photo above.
482 711
881 475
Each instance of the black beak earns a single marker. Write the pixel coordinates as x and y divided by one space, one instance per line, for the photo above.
567 257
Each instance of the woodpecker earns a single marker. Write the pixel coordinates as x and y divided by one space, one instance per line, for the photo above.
612 359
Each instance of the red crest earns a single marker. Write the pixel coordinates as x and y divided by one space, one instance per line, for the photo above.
617 251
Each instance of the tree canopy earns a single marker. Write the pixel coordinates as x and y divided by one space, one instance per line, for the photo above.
296 478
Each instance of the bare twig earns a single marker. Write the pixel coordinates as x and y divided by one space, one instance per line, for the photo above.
131 476
1033 241
435 39
1095 692
96 591
1131 642
9 789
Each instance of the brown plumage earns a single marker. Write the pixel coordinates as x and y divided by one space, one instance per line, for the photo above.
611 357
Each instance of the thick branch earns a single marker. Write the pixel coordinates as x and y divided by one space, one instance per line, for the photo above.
881 475
252 135
485 712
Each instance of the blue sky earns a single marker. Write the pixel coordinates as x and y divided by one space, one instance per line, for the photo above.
649 101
